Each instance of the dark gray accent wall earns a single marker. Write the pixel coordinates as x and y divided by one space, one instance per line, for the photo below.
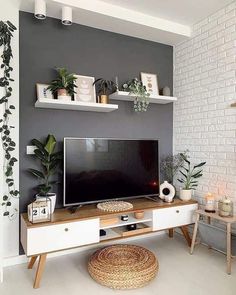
87 51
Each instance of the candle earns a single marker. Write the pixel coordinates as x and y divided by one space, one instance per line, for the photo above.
210 203
225 207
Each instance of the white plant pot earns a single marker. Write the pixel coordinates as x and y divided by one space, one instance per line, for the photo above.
185 194
52 197
64 97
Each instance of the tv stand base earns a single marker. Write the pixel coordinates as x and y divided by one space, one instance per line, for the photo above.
67 231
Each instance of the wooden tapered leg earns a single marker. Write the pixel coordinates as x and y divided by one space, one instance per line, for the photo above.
32 261
171 232
194 233
185 232
229 248
40 269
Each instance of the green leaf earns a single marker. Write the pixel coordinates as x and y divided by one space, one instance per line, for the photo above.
183 174
5 198
196 174
37 173
38 144
50 144
184 158
40 155
199 165
199 175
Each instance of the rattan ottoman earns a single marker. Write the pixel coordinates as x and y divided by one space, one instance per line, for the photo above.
123 266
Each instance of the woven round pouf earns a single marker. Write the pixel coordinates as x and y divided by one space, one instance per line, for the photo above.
123 266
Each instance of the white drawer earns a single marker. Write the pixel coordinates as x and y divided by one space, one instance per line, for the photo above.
173 217
62 236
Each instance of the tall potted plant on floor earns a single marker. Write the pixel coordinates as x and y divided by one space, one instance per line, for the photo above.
63 86
189 178
49 161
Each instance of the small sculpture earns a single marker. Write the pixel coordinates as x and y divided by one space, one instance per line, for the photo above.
167 192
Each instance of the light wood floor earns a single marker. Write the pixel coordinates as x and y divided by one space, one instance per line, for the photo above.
180 273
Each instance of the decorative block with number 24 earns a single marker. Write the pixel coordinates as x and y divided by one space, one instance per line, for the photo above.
39 211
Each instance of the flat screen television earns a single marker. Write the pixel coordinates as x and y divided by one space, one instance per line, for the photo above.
101 169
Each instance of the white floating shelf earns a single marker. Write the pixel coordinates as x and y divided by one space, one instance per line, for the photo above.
75 105
126 96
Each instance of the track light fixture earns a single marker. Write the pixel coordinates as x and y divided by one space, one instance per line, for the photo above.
40 9
66 17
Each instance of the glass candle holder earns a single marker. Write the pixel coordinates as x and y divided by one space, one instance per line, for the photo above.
210 203
225 207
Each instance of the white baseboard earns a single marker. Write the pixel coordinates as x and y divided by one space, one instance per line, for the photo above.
21 259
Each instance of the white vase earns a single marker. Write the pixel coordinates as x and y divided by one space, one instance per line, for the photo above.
185 194
52 197
167 192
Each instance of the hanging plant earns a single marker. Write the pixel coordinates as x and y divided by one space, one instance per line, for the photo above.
8 145
141 100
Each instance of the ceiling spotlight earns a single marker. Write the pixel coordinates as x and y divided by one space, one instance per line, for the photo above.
40 9
66 17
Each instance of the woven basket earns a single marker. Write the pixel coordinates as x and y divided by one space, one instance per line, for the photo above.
123 266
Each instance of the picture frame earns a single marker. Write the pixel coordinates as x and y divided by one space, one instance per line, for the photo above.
151 82
85 91
43 92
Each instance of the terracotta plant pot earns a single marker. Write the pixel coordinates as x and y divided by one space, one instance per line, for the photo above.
62 94
185 194
103 99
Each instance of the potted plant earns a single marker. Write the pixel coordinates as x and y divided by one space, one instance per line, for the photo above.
189 178
104 88
170 166
137 88
64 86
49 162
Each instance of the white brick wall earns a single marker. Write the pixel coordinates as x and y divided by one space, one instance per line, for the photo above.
205 84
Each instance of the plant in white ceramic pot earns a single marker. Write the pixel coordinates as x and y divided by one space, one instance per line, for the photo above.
50 161
189 178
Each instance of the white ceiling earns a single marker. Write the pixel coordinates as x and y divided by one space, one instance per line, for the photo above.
164 21
185 12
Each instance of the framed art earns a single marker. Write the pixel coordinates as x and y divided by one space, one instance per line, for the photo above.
43 92
85 91
151 83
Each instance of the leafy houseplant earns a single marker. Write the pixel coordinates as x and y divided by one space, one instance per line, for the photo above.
49 163
170 166
189 177
8 145
137 88
64 86
104 88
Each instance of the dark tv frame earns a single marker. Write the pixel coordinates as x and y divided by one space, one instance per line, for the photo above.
104 200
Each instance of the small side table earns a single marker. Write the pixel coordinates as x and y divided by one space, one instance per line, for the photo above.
227 220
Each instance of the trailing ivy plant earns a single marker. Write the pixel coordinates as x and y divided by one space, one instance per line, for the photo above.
8 144
139 90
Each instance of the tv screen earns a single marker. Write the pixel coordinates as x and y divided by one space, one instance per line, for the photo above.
98 169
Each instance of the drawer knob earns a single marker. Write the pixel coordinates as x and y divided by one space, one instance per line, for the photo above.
66 229
177 211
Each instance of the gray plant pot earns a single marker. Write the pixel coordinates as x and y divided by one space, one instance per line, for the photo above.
215 236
